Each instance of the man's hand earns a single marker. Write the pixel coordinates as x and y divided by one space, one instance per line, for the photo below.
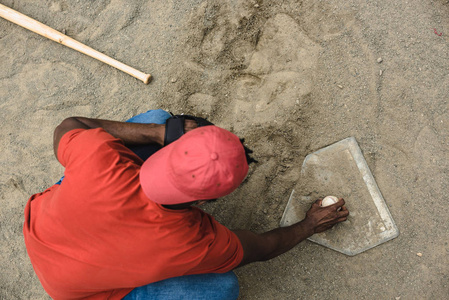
176 126
323 218
259 247
189 125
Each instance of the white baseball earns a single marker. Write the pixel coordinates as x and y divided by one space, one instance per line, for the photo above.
329 200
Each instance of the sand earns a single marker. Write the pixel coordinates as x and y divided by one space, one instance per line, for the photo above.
290 77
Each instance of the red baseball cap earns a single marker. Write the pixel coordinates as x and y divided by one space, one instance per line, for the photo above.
205 163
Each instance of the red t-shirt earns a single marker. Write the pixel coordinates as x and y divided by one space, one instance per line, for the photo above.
98 236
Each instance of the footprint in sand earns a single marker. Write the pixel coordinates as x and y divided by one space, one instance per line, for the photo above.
432 157
430 151
279 74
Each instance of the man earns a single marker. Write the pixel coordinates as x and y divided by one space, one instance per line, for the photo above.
118 226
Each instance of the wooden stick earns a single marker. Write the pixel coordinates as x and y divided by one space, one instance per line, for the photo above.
48 32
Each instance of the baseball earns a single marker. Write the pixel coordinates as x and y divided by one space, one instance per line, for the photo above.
329 200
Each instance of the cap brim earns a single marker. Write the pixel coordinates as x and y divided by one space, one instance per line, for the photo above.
155 179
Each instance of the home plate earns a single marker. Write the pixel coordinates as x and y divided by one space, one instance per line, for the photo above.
341 170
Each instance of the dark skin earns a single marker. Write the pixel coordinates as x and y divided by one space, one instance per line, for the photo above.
256 247
129 133
265 246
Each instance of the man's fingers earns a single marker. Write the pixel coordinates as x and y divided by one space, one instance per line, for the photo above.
337 205
317 202
343 213
189 125
342 219
340 202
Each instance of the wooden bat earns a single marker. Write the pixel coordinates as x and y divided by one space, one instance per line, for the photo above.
48 32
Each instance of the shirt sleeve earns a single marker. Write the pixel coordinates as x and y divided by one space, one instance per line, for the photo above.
224 253
66 145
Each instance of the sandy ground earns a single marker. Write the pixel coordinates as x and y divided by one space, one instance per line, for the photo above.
289 76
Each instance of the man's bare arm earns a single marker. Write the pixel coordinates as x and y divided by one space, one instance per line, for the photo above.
265 246
129 133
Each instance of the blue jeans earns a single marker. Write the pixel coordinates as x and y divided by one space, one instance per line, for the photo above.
156 116
191 287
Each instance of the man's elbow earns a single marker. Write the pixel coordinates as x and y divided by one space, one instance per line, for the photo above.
69 124
65 126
